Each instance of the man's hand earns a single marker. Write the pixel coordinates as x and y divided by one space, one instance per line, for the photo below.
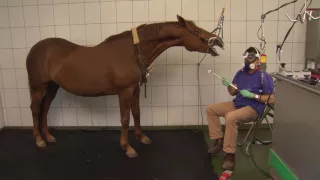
232 91
225 82
246 93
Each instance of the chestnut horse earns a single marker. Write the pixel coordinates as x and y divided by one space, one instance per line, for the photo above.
116 66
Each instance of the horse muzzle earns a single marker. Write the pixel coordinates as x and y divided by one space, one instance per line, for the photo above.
215 41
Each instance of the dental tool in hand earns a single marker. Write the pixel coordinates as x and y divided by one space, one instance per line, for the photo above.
210 72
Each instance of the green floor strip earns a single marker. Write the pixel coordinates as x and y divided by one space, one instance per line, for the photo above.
282 169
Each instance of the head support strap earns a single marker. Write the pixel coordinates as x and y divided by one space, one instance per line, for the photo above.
135 36
246 54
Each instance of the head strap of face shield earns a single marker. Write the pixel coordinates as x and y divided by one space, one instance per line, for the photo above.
246 54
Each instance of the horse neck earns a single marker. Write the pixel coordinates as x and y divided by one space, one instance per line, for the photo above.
168 35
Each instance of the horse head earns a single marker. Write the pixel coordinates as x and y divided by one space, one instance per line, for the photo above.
195 38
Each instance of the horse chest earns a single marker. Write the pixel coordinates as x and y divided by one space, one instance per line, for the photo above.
126 78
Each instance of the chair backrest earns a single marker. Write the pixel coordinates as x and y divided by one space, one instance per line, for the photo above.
268 107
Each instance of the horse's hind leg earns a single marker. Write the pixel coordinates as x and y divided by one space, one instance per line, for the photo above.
36 98
48 98
135 109
125 100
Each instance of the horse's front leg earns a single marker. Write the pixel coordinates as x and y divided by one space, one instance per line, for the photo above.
125 101
135 108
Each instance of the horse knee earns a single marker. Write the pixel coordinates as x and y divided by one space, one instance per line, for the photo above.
135 111
35 108
125 122
36 97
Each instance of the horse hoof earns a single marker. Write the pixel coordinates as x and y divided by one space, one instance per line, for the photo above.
41 144
51 139
131 153
145 140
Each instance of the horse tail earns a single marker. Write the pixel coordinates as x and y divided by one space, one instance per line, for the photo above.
37 81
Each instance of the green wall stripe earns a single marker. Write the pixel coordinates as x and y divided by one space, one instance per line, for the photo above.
276 163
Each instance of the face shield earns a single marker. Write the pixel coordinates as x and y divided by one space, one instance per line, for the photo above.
249 59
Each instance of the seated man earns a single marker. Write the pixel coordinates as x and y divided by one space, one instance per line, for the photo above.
247 106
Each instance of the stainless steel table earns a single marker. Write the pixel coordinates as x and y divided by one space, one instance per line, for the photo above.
295 152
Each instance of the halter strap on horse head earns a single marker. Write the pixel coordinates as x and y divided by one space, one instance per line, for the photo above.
136 41
145 70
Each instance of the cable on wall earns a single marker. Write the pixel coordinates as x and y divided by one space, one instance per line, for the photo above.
219 28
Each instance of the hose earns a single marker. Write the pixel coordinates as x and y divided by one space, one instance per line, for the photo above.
252 156
199 95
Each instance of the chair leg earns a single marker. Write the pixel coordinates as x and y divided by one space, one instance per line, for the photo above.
252 138
254 127
271 129
245 139
248 147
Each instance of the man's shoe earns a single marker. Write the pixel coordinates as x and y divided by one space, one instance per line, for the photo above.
217 147
229 161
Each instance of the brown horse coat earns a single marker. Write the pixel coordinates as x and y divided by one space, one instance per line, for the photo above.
112 67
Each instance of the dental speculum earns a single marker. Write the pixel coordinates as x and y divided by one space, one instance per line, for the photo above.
210 72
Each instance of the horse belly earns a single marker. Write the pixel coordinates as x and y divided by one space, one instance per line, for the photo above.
85 83
95 75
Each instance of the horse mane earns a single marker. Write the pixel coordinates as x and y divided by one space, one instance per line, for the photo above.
126 33
146 27
117 36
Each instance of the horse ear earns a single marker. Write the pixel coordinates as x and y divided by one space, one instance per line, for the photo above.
181 20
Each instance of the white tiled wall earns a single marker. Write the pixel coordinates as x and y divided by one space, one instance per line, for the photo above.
172 92
1 115
315 4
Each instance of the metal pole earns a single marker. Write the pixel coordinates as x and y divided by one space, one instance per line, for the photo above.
210 72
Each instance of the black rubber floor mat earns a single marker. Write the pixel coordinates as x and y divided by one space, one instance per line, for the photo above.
96 155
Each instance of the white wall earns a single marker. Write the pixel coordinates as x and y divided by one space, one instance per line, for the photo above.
172 89
1 113
315 4
1 118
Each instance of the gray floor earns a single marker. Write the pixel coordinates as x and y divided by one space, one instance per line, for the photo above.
244 168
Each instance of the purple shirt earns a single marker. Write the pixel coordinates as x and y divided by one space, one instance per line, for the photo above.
252 83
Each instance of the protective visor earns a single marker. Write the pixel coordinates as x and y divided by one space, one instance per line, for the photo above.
251 56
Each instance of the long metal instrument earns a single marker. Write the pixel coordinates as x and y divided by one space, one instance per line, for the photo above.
210 72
